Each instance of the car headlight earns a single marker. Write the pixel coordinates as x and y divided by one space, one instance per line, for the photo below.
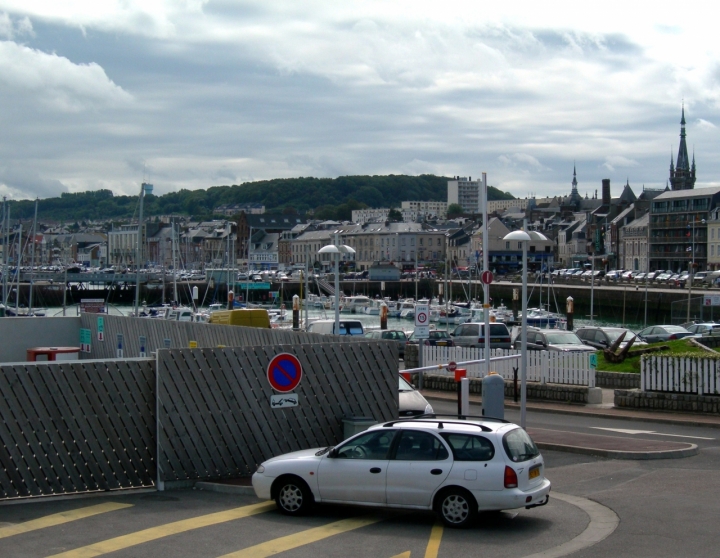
429 409
260 469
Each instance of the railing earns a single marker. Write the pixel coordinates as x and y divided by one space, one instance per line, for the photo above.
543 366
680 374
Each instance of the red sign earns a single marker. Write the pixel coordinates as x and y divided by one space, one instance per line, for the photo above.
284 372
486 277
452 366
460 373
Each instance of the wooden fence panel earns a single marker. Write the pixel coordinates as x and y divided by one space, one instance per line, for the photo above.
76 427
215 415
700 376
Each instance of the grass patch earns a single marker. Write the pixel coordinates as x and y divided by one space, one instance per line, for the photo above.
680 346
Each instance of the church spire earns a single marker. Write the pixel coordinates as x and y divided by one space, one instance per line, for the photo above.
682 175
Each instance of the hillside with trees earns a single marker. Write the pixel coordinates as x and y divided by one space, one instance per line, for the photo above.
327 198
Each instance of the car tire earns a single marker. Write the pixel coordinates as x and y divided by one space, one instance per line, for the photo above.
456 507
293 496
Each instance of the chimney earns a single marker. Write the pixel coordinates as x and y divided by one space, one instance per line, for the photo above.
606 192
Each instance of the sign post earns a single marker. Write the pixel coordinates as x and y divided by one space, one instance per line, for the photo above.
422 332
101 328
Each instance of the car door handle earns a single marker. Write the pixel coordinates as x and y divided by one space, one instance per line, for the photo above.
375 470
436 472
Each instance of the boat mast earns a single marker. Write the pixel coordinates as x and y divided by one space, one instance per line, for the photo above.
17 270
5 249
32 260
174 258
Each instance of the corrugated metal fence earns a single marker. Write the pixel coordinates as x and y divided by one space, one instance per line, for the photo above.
76 427
91 425
164 334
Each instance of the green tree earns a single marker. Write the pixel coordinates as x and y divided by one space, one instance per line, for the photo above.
395 216
454 209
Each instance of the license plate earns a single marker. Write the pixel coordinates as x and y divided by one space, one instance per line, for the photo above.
441 343
534 472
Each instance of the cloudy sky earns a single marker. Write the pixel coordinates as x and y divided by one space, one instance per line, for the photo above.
195 93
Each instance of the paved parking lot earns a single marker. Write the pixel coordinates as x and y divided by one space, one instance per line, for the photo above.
192 523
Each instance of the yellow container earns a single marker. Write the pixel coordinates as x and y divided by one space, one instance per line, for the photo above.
255 317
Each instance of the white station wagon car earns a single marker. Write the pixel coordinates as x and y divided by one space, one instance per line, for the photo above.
455 466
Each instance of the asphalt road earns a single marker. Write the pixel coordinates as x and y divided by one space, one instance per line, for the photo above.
600 508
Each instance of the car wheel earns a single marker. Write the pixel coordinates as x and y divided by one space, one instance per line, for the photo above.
457 508
293 496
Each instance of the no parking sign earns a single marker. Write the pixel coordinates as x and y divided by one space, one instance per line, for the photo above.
284 374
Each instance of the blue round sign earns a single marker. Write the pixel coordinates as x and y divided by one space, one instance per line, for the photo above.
284 372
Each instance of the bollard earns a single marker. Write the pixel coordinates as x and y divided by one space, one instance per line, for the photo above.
296 312
383 316
465 396
231 300
493 396
460 373
570 311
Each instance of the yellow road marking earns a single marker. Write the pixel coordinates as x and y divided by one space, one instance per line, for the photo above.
433 546
153 533
60 518
402 555
302 538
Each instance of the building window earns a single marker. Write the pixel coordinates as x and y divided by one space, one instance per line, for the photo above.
507 245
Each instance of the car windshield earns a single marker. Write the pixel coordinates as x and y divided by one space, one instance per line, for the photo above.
675 329
439 334
563 338
404 385
519 446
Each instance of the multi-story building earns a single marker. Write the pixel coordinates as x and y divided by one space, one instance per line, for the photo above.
465 192
713 240
572 241
368 215
506 255
427 208
123 245
678 229
633 244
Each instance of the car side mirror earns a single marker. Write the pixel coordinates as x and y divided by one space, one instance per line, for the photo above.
333 453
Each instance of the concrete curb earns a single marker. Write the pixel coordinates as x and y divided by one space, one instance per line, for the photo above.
617 454
225 488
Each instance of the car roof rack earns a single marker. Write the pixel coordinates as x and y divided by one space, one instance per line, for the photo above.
451 419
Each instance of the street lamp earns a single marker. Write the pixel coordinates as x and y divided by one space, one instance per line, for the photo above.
336 250
691 277
144 189
522 236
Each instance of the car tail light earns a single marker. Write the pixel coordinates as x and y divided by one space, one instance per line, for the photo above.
505 340
673 336
511 480
481 340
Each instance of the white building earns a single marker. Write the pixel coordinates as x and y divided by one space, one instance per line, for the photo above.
466 193
426 208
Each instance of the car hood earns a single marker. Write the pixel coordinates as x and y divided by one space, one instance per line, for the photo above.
573 348
302 454
411 401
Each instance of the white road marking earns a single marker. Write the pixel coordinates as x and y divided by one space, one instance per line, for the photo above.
627 431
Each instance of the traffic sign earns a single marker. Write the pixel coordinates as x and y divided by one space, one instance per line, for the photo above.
452 366
422 314
284 372
486 277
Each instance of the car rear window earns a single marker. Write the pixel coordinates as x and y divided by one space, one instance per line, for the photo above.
351 328
519 446
466 447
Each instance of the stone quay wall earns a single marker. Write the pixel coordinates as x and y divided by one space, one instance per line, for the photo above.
657 401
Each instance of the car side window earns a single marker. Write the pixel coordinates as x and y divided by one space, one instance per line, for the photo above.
600 337
420 446
582 334
460 330
372 445
468 447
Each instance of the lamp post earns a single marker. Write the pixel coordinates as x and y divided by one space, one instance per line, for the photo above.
144 189
336 250
691 277
522 236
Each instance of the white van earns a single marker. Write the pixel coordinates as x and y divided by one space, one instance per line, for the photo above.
347 327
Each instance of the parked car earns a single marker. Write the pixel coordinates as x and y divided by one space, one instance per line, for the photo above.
704 328
347 327
603 337
552 340
473 335
438 337
411 403
655 334
390 334
420 463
